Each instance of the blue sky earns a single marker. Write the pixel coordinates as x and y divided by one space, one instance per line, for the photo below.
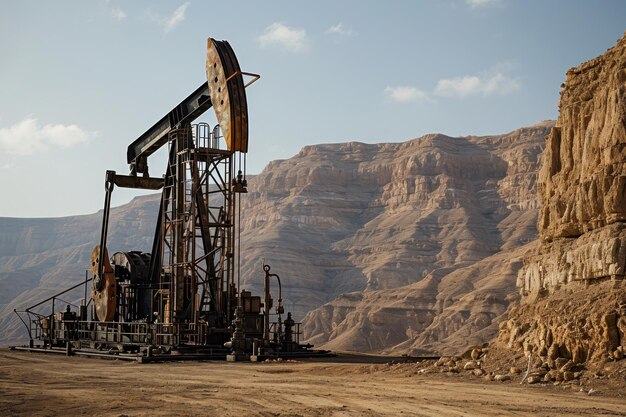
80 80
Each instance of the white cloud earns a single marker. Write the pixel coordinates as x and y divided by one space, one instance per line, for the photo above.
28 137
340 29
292 39
176 18
481 3
168 23
406 94
485 85
118 14
495 81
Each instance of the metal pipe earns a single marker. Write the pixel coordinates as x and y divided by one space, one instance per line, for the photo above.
28 310
266 305
109 183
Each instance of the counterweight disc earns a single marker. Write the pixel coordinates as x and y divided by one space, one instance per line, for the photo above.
103 288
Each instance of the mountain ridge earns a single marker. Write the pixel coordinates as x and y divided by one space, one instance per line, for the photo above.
333 219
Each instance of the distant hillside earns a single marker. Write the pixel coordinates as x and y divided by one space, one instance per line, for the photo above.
384 226
39 257
349 228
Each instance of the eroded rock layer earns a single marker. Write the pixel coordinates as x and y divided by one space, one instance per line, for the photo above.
595 255
575 323
572 284
582 182
443 313
338 218
458 245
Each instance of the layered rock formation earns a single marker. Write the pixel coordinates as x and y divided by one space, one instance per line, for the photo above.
578 323
39 257
582 187
582 183
337 219
458 295
443 313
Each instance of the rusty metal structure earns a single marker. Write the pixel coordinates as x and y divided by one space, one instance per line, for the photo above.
183 299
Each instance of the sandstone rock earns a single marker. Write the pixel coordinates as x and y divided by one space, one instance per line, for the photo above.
609 328
441 361
568 376
515 371
471 365
579 354
621 326
476 354
502 378
567 366
596 254
583 178
553 352
533 379
489 377
618 354
478 372
572 283
559 363
581 320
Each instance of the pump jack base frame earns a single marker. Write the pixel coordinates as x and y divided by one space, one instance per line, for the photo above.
172 357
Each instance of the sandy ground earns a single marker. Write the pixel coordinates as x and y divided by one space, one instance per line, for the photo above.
45 385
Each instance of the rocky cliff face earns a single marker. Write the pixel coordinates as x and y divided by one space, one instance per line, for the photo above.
582 186
582 183
452 204
352 217
444 312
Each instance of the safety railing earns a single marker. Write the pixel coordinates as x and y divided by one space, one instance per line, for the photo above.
278 333
34 320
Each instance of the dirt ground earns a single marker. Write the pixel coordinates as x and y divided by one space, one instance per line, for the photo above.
45 385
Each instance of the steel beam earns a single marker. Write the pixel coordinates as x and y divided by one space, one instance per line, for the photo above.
184 113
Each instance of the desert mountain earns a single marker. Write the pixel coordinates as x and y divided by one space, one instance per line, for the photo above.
354 230
40 257
454 218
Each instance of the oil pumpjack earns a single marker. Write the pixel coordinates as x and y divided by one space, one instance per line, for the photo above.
183 299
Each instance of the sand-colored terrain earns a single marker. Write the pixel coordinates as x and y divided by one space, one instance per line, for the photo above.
332 221
45 385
